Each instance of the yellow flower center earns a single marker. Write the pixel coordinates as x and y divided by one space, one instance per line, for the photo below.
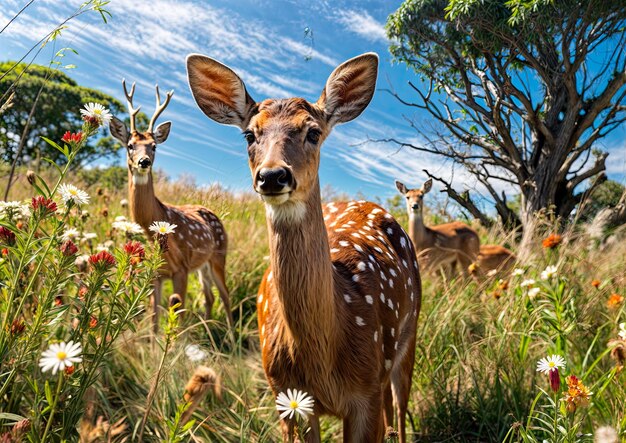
61 355
162 229
73 192
293 404
97 111
551 364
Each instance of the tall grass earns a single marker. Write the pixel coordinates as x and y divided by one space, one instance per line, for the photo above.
475 376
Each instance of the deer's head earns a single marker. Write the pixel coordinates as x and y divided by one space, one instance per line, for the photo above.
415 197
141 146
284 136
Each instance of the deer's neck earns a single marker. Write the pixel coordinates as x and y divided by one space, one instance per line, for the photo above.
303 273
417 230
145 208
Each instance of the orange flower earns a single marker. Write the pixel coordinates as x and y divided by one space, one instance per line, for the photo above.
614 301
503 284
595 283
577 394
93 322
69 370
552 241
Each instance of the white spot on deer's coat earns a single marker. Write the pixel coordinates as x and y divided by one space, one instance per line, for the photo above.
390 283
369 299
343 243
260 297
404 263
389 231
393 272
270 276
361 266
371 265
334 251
382 297
382 275
378 249
393 332
395 346
376 336
390 303
355 277
358 248
359 321
387 364
388 215
347 298
356 234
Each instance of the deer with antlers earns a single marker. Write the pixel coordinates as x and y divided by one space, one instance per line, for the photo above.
199 241
440 246
338 307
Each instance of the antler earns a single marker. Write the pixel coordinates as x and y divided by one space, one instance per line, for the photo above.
159 107
129 98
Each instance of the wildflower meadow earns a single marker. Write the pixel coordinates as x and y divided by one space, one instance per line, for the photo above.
532 350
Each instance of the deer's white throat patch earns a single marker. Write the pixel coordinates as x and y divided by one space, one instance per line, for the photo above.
287 212
140 178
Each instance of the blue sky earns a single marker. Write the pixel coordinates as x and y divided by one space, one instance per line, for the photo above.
266 42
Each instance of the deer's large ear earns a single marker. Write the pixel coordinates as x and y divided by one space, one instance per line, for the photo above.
161 132
118 130
427 186
350 88
219 92
401 188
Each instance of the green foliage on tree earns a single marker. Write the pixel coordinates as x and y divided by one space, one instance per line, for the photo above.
608 194
57 111
520 92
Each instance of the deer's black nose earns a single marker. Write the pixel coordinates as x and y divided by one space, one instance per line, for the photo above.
144 162
415 206
273 180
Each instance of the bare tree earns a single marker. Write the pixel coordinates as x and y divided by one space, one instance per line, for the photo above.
520 93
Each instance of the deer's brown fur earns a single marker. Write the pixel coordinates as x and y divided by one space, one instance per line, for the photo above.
199 241
338 305
439 246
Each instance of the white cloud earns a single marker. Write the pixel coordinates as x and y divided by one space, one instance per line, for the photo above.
363 24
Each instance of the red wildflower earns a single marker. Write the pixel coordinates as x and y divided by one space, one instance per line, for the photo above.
82 291
135 251
552 241
45 205
72 138
7 236
102 260
58 301
595 283
555 379
5 252
69 370
93 322
68 248
92 121
577 394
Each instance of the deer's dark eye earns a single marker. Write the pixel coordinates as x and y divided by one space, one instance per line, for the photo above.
153 146
131 147
313 136
249 136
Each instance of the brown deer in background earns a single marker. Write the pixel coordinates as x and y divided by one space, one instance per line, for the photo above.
493 260
338 306
440 246
199 242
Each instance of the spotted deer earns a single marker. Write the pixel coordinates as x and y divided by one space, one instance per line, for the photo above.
440 246
338 306
493 260
199 241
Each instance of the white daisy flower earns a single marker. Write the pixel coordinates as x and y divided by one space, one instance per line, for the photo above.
532 292
120 218
89 236
14 209
127 227
547 364
548 273
527 283
70 234
97 111
162 228
60 356
622 331
517 272
195 353
294 401
100 247
70 193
